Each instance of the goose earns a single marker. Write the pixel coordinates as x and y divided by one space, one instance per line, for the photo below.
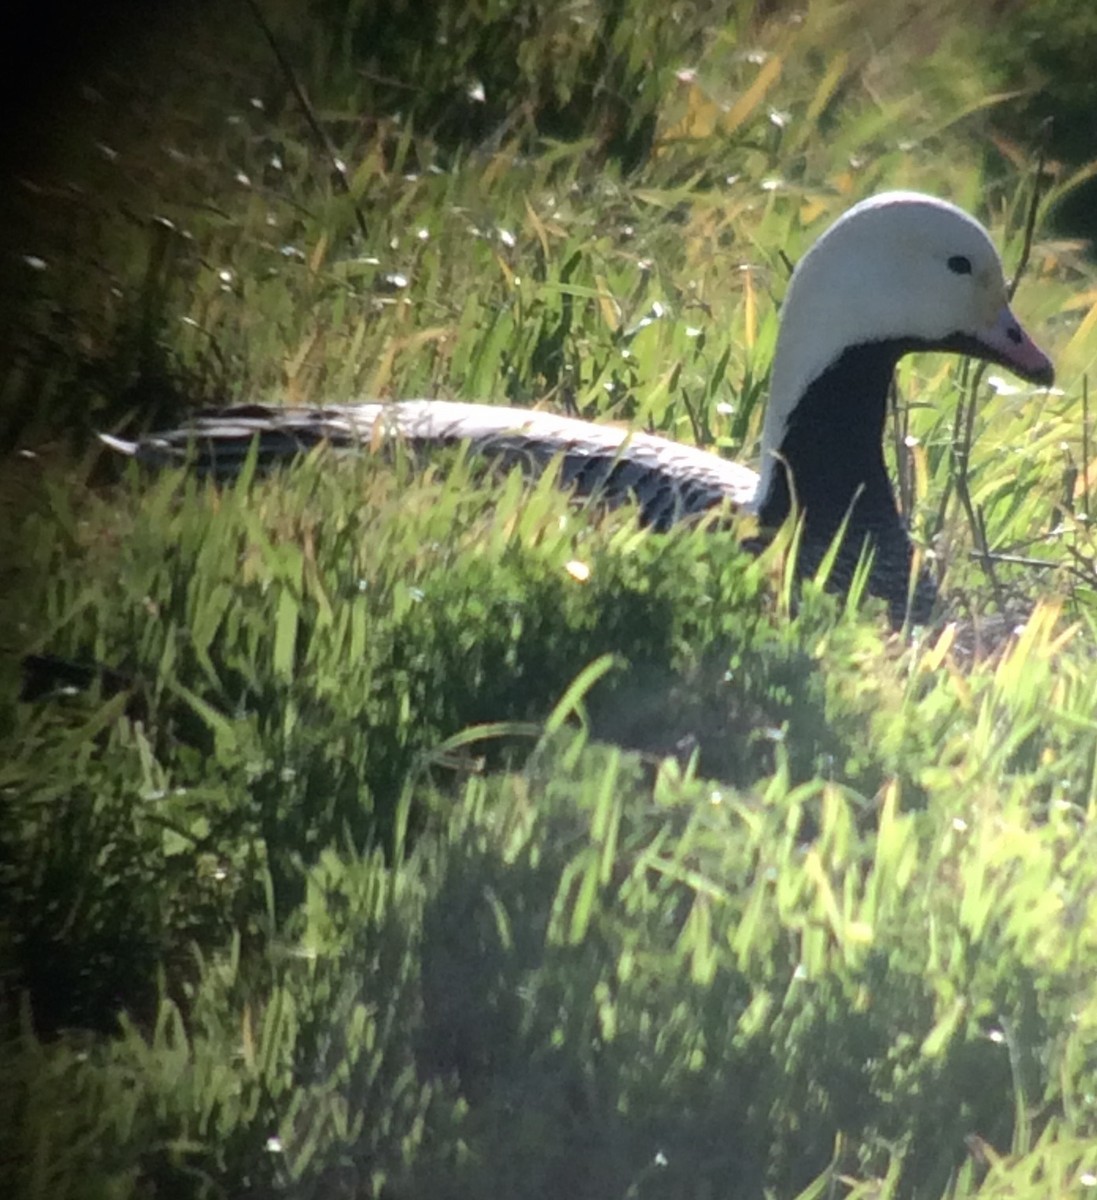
897 273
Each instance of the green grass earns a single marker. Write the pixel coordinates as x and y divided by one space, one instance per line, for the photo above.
449 839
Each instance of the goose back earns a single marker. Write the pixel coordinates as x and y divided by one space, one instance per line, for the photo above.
668 480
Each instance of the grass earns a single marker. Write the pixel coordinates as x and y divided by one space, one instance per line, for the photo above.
436 837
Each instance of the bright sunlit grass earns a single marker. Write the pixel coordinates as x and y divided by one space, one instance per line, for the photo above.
448 839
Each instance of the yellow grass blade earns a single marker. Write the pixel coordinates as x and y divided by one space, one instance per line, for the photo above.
741 110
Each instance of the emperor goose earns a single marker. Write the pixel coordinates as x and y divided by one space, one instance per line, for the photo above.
897 273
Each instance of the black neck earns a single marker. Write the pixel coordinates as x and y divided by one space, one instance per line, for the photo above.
833 453
833 447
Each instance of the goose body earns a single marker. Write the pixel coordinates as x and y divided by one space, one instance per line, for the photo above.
898 273
669 480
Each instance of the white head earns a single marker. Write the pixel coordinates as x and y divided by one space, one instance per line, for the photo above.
897 267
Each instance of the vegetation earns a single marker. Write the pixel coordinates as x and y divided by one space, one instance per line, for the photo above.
431 836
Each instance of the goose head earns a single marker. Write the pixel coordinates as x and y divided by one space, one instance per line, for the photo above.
899 272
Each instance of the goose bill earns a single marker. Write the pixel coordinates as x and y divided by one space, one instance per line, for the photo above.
1006 342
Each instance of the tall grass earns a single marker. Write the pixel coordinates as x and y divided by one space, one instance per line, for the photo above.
433 836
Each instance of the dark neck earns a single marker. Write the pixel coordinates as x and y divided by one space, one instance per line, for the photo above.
833 453
833 447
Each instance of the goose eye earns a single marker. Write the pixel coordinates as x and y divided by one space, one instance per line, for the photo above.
960 264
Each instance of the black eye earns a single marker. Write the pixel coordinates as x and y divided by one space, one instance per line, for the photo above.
960 264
